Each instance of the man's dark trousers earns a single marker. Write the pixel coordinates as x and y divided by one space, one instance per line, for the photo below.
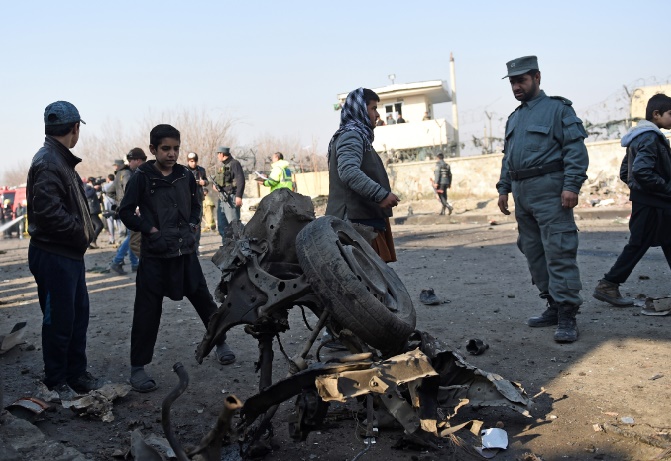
64 300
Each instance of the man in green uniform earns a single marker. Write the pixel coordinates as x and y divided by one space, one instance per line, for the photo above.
544 165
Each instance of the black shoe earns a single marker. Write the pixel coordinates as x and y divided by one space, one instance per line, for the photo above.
567 328
118 268
85 383
428 297
547 319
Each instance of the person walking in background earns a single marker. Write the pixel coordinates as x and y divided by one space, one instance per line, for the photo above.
442 180
61 230
109 205
544 166
21 210
135 157
200 175
208 211
229 181
91 190
165 193
7 216
646 168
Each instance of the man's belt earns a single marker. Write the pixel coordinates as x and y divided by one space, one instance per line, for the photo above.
536 171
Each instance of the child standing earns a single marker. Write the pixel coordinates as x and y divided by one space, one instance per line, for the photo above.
165 193
646 169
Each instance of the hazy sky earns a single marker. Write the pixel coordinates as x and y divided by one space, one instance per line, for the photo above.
276 67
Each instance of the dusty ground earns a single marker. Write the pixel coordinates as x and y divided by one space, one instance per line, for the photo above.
605 376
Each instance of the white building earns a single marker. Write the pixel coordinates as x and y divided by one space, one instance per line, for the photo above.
421 136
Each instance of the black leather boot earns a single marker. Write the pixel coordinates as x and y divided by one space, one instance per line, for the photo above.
549 317
567 328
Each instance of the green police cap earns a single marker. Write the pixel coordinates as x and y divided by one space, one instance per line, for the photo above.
521 65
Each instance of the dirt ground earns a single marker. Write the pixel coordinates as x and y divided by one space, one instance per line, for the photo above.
619 368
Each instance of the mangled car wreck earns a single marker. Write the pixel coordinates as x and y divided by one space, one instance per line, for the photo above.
283 259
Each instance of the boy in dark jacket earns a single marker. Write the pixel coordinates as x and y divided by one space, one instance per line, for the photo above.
646 169
169 214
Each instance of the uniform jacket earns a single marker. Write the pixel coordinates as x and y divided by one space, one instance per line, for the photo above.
168 203
280 176
230 178
58 214
442 174
646 167
358 181
120 182
198 174
541 131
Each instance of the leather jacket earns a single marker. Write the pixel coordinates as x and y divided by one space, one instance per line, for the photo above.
646 168
58 214
168 203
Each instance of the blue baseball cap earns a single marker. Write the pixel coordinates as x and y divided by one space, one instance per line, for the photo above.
61 113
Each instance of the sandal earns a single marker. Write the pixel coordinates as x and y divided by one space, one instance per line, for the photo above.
141 382
225 355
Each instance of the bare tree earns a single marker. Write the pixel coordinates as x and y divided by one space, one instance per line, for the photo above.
16 175
301 158
202 131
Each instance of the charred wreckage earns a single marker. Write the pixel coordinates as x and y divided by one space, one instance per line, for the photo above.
285 258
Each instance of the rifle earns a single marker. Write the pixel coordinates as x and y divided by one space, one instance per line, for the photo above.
223 195
436 191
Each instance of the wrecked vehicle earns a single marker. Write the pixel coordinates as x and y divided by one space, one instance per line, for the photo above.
285 258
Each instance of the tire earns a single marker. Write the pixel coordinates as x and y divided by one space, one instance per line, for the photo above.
362 293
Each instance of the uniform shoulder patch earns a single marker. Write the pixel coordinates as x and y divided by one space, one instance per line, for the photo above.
562 99
513 112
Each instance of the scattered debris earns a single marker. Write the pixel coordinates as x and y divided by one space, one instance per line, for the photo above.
493 440
284 257
657 306
650 440
597 427
28 408
627 420
476 346
99 402
606 202
656 376
141 450
14 338
428 297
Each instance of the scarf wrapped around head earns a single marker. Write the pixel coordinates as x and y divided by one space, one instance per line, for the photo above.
354 117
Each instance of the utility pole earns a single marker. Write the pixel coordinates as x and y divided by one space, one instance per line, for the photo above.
455 114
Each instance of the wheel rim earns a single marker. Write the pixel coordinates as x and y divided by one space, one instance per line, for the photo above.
368 271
